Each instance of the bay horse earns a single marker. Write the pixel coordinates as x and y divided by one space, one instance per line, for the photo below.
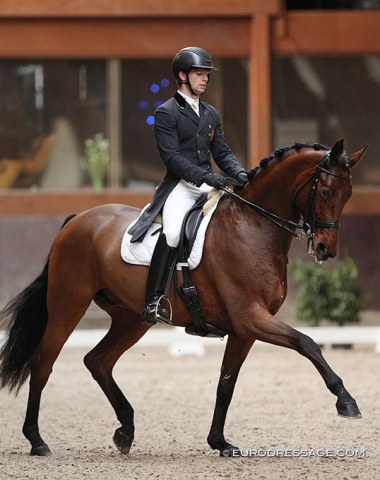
241 283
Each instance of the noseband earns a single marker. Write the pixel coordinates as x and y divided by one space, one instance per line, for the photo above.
310 222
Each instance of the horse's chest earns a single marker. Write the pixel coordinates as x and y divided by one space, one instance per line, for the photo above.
274 288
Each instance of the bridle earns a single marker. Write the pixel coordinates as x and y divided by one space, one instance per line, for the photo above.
310 222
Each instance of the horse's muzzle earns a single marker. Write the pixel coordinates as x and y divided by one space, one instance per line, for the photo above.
322 252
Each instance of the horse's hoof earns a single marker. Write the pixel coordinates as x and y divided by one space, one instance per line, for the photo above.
122 441
348 409
41 451
230 451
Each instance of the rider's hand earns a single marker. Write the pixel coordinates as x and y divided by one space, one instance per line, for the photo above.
215 180
242 178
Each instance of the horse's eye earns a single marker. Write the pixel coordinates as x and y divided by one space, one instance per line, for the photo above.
325 192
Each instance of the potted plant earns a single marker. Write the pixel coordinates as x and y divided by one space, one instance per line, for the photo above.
334 295
96 159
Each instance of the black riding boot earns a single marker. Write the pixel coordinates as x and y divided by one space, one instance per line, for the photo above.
156 282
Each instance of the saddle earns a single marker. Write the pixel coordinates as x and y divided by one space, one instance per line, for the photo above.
187 290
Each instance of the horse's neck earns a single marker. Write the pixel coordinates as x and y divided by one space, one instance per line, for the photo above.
240 220
274 194
273 191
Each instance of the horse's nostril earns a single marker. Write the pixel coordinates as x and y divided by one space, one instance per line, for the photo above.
322 250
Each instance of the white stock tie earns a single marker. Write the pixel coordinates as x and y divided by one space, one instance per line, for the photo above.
195 106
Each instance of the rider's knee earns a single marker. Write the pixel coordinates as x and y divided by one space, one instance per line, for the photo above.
172 237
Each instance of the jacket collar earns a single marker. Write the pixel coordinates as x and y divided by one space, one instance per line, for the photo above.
181 102
186 108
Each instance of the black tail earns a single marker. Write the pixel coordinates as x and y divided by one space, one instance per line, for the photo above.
26 316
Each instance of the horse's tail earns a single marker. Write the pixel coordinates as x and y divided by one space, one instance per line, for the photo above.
26 316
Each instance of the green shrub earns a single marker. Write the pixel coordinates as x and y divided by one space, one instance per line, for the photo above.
322 295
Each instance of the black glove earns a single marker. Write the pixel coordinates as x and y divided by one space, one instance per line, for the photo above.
215 180
242 178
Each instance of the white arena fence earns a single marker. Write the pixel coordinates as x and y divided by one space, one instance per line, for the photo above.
179 343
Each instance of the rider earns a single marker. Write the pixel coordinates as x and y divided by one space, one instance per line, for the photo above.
187 131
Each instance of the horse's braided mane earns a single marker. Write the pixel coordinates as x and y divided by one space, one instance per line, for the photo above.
280 152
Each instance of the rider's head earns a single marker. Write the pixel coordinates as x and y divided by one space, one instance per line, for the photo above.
188 59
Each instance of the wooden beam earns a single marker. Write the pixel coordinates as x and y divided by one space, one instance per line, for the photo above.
16 202
364 201
132 38
114 122
136 8
331 32
259 137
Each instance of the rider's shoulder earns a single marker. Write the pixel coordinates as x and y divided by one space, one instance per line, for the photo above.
168 104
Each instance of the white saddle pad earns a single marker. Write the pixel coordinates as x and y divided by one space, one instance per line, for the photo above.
140 253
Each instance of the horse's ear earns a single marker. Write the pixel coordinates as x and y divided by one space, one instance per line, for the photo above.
355 157
336 151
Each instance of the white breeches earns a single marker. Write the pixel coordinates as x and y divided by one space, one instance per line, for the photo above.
181 199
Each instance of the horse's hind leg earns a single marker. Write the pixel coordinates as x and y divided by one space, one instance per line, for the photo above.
55 336
125 331
271 330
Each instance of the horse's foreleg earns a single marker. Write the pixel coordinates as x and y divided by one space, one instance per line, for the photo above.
236 352
271 330
101 360
346 404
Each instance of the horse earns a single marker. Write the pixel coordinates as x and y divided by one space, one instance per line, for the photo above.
241 283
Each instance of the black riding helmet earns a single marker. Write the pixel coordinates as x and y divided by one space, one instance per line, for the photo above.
189 58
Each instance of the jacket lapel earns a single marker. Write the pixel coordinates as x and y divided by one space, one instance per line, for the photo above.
203 116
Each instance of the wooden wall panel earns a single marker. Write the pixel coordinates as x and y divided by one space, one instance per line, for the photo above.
328 32
157 28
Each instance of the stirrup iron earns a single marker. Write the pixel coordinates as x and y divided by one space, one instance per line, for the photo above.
159 314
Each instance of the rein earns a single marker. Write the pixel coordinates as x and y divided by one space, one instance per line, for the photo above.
280 222
310 222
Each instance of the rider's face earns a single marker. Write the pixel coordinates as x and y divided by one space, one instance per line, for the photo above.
198 79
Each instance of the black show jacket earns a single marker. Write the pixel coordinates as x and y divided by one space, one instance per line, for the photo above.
185 142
